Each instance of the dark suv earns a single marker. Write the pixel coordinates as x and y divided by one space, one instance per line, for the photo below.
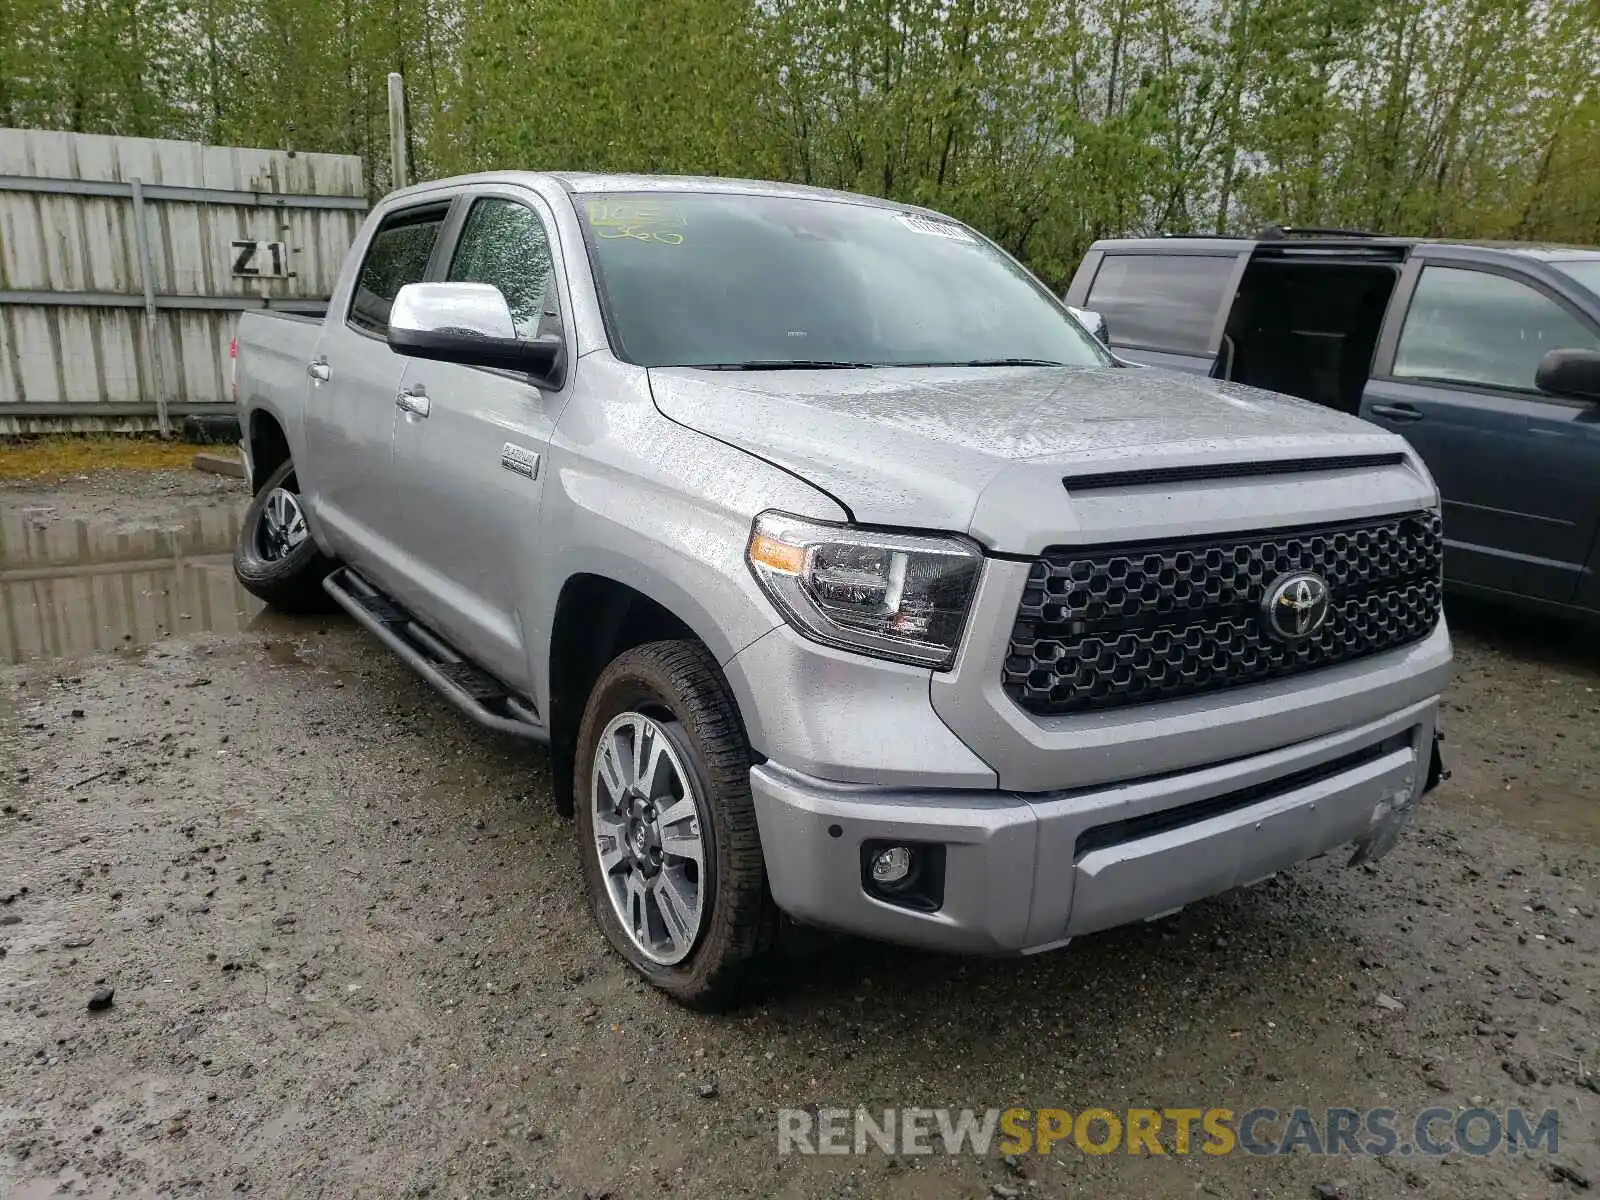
1485 357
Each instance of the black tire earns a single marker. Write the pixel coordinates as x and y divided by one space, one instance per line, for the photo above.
292 583
679 684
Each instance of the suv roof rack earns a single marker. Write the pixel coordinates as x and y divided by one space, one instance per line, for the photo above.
1274 233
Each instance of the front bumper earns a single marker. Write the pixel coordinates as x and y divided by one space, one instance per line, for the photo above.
1025 872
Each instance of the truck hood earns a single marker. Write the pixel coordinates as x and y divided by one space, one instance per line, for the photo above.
973 449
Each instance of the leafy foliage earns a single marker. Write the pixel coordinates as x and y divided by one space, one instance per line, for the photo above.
1046 123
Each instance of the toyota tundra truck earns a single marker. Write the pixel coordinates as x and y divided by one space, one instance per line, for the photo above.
847 577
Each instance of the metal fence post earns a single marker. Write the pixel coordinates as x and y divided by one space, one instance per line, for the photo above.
397 132
141 242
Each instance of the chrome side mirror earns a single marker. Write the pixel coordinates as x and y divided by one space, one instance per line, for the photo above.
469 324
1093 322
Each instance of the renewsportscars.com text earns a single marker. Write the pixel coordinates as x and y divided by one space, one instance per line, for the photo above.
1373 1132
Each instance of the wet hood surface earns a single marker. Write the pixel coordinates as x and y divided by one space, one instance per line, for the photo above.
918 446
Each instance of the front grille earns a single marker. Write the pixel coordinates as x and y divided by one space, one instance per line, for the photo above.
1103 627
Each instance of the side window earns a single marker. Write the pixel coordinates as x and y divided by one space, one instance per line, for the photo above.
1161 301
504 243
1467 326
398 255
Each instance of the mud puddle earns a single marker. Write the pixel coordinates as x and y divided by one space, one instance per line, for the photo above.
74 587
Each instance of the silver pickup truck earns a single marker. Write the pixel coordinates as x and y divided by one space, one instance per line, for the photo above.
845 574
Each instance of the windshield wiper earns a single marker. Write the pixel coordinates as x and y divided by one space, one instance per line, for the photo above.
993 362
783 364
833 364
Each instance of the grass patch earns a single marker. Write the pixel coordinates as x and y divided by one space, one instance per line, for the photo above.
53 457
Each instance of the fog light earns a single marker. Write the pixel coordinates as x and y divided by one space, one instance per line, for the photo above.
904 874
893 867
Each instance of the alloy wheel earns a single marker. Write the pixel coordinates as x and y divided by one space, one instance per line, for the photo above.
647 834
282 527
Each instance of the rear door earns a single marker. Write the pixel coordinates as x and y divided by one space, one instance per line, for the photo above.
1163 307
355 377
1517 468
471 471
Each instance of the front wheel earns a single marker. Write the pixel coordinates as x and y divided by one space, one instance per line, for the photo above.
667 831
276 558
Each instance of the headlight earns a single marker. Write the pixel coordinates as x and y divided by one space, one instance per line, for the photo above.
891 595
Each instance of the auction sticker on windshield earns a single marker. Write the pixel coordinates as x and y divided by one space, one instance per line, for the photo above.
944 229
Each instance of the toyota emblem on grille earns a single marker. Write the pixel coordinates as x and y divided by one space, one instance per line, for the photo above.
1295 606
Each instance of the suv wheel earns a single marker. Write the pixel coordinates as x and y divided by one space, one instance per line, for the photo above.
667 831
276 559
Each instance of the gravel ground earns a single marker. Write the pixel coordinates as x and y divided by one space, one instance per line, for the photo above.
350 957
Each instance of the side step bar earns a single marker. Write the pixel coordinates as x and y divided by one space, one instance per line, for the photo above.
475 692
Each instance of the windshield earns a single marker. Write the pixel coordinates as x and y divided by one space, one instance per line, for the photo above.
1585 270
710 279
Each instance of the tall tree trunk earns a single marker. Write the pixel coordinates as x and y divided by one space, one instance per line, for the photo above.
1238 44
962 58
213 76
1117 31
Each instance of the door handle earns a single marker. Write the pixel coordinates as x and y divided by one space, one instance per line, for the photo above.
412 400
319 370
1396 412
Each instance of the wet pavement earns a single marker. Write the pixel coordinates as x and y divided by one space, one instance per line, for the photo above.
351 958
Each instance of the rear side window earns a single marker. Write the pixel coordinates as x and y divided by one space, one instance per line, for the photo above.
1161 301
397 255
1473 327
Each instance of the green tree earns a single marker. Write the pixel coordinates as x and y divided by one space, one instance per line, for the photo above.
1046 123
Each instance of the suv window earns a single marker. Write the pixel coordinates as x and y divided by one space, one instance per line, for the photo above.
504 243
1473 327
398 255
1585 270
1161 301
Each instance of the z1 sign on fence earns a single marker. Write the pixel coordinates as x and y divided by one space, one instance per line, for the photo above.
126 261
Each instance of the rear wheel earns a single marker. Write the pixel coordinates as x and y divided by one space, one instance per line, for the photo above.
276 558
667 832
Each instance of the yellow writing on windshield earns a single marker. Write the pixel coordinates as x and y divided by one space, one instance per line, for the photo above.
640 220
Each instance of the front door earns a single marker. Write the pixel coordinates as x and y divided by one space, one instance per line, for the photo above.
1516 468
1165 308
350 405
472 449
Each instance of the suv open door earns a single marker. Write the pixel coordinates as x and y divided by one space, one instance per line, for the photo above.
1165 303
